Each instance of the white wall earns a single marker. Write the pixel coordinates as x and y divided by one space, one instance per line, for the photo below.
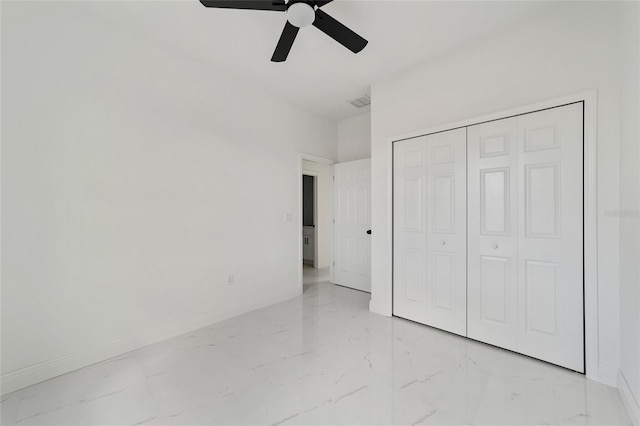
572 50
354 138
324 186
130 180
630 211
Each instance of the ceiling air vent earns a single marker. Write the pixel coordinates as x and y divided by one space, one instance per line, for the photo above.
361 102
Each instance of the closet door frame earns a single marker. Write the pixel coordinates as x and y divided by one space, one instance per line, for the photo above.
589 100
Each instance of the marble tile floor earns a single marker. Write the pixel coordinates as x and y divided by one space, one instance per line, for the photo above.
313 275
318 359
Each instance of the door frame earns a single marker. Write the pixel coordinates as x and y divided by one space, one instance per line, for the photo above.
321 160
590 98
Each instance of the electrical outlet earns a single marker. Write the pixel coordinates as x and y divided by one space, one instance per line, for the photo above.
231 280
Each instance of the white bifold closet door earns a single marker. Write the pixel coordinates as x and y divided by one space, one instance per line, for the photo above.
525 254
429 228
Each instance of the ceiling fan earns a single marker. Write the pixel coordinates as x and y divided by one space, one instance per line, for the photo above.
300 13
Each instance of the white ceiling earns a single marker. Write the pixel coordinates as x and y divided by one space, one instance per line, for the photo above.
320 75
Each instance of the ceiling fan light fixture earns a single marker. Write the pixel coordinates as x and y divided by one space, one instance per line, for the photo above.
301 14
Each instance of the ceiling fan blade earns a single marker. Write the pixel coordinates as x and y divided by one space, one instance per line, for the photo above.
321 3
277 5
339 32
284 44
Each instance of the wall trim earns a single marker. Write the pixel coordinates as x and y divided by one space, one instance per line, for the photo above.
630 403
316 159
608 375
382 303
19 379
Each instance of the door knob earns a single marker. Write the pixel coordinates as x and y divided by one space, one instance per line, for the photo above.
368 231
494 246
443 242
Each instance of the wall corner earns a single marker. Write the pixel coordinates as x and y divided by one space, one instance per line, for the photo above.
630 402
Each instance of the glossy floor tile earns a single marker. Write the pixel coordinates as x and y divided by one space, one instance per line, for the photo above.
321 358
313 275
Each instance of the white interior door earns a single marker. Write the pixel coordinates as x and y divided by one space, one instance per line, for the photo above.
493 232
352 224
550 236
430 230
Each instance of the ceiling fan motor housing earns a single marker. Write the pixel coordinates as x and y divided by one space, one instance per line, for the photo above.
301 13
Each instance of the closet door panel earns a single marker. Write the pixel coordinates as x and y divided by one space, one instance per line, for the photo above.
446 231
492 239
410 229
550 246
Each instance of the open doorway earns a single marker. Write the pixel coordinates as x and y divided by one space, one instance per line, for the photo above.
316 211
309 218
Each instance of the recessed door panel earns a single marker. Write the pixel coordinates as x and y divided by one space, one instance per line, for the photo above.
444 203
442 153
342 254
362 205
413 202
495 201
492 145
541 296
540 138
443 280
361 255
495 289
542 200
413 275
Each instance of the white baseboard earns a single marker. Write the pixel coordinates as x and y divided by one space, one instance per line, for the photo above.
630 402
18 379
376 309
607 375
